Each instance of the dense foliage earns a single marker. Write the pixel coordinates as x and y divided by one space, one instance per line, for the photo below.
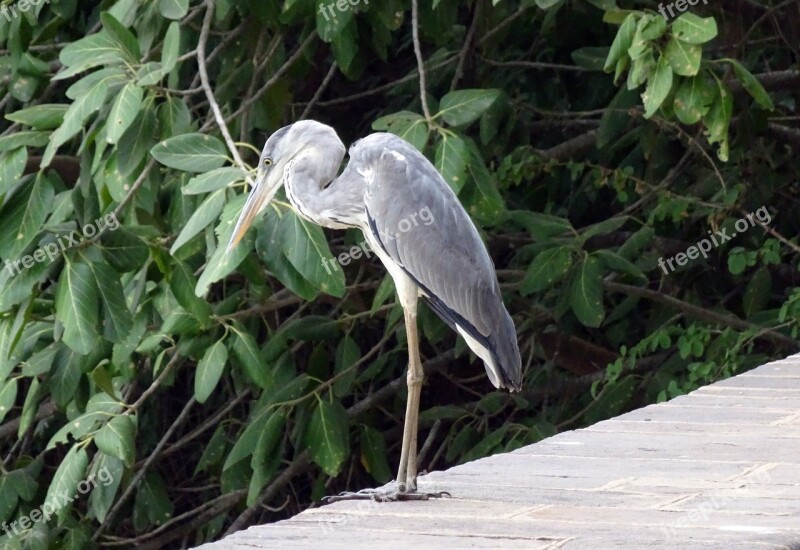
599 147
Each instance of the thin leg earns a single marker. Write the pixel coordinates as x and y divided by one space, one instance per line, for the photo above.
407 472
405 486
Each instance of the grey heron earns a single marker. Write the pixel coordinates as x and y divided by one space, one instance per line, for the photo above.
446 263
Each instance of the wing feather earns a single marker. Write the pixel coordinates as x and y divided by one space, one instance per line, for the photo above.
423 227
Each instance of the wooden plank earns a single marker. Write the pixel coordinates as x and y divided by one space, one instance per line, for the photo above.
716 469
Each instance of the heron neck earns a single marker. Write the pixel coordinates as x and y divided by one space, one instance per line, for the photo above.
318 197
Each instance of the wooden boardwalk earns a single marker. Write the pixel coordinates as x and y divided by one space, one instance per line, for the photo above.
719 468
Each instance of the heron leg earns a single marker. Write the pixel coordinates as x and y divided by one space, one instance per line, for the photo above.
407 471
405 486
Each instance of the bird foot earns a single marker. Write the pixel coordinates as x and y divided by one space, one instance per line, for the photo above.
391 492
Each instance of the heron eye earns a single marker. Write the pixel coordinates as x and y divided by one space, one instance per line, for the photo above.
267 161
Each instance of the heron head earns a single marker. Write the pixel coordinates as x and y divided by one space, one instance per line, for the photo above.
283 146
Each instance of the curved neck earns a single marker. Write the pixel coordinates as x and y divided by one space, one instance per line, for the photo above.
316 195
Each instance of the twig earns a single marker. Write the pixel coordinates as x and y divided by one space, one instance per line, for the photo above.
462 58
319 92
274 78
298 465
697 312
212 101
420 64
539 65
140 474
205 425
156 383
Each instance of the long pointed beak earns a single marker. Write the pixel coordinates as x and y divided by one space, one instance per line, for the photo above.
266 186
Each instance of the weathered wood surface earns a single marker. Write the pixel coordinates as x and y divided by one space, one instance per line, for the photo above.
719 468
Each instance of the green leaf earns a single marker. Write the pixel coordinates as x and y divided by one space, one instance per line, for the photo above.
182 282
622 42
214 449
91 51
658 87
137 140
24 485
604 227
213 180
46 116
35 394
385 291
208 211
12 166
8 500
191 152
75 118
591 58
99 408
117 318
122 37
693 29
25 138
117 439
616 117
22 218
373 454
173 9
640 44
8 396
209 370
268 247
65 376
345 49
465 106
330 26
124 250
451 160
264 428
757 293
152 505
586 294
305 247
615 262
67 477
694 98
247 353
718 120
76 306
171 49
407 125
123 112
684 58
221 262
108 471
612 400
752 85
327 437
541 226
546 269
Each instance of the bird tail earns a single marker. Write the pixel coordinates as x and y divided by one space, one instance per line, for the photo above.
505 353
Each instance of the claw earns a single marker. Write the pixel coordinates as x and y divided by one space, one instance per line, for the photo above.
388 493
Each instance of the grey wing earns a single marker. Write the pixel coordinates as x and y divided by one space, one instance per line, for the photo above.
422 226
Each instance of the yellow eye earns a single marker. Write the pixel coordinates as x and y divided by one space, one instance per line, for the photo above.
267 161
